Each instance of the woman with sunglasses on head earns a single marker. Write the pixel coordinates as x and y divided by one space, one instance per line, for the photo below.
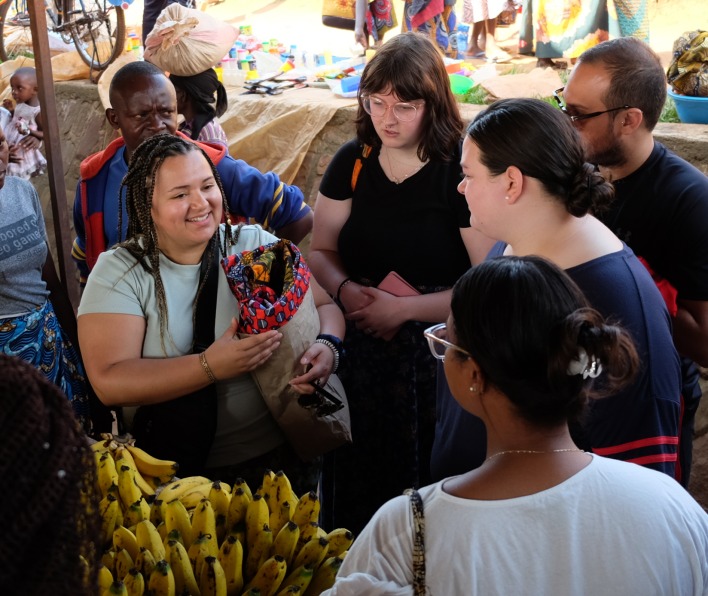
525 353
388 202
527 185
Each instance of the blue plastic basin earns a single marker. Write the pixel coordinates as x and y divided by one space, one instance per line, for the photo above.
690 109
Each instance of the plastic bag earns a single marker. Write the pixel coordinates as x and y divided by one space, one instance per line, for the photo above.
186 42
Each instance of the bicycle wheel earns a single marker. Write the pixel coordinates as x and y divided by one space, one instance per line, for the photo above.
98 30
15 36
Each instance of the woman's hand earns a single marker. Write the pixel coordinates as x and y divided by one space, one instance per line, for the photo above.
382 316
321 358
353 297
229 356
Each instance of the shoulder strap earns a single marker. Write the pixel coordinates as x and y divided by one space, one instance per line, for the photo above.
365 151
418 542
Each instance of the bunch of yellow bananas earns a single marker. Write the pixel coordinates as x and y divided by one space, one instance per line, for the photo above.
205 538
127 479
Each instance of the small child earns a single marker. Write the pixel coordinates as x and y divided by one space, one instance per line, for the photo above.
24 132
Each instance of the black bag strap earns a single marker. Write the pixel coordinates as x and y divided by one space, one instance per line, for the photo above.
205 309
161 428
418 542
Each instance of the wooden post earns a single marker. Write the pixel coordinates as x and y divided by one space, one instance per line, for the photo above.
52 144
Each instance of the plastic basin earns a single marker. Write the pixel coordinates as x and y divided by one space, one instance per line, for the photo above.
690 109
460 84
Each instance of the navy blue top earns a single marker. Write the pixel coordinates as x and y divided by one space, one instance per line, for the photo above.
641 423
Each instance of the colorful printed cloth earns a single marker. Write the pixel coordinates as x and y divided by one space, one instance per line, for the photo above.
688 71
380 17
437 19
37 338
269 283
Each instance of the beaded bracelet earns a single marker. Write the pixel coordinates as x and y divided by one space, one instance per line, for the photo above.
339 289
334 344
205 366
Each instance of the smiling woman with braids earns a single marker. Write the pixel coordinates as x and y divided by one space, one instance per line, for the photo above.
149 343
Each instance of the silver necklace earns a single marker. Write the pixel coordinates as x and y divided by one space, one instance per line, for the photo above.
533 451
394 177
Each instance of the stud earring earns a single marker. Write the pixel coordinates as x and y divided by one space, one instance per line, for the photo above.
473 389
506 198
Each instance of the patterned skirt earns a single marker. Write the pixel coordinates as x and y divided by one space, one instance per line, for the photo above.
390 387
37 338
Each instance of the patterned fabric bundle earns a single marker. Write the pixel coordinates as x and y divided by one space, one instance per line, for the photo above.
270 283
688 71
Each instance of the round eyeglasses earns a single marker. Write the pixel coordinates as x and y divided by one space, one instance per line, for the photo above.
377 108
581 117
438 344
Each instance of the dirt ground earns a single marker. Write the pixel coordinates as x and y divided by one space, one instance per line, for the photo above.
299 22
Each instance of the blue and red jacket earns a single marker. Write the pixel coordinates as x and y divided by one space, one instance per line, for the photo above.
262 198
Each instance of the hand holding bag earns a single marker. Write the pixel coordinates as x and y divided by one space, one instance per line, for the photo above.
272 286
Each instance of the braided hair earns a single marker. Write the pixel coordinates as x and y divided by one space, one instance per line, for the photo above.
141 241
52 528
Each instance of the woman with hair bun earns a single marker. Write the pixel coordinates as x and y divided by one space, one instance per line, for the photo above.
527 185
523 351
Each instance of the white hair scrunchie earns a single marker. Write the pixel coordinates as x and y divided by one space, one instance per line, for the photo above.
585 366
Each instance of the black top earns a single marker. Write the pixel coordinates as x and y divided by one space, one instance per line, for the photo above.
412 228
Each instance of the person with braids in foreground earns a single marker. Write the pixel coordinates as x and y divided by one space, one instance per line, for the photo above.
140 327
144 104
527 185
523 351
201 99
52 528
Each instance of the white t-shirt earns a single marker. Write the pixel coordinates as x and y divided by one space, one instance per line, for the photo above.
245 427
612 529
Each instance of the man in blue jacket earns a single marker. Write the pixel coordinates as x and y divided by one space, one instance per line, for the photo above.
144 104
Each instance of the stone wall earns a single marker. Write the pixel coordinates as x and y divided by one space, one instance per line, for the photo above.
83 130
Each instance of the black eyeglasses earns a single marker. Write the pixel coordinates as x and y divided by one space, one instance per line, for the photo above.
564 109
321 401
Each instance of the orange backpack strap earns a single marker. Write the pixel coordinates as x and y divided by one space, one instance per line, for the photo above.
366 150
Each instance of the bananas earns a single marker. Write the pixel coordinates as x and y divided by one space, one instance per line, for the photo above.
162 580
201 537
231 559
151 466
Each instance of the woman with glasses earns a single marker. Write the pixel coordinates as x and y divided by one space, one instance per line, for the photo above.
526 184
388 202
525 354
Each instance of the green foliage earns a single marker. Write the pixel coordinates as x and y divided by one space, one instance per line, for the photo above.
668 114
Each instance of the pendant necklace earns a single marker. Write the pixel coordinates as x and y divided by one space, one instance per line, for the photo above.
533 451
408 175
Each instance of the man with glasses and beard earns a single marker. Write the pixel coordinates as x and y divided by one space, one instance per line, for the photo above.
614 97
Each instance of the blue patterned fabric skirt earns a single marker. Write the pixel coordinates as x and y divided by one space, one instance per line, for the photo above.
37 338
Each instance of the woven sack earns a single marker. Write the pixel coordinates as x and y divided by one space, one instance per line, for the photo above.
187 42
